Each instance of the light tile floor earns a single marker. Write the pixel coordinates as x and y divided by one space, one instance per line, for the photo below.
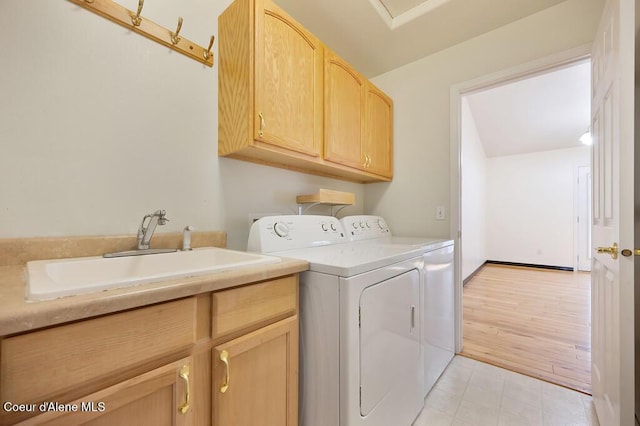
473 393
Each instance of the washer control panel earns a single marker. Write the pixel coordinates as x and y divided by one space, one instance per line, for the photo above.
365 227
289 232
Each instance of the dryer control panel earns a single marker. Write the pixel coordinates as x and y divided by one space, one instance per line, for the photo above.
365 227
290 232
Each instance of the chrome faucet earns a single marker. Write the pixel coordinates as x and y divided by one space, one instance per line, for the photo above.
146 232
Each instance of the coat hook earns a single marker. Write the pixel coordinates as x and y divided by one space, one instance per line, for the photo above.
174 36
206 55
136 19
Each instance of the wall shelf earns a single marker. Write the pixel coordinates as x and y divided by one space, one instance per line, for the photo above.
326 197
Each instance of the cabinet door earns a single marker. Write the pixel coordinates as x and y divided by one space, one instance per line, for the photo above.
288 82
160 397
378 142
344 95
255 377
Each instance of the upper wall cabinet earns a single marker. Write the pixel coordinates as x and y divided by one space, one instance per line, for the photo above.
358 120
282 102
344 98
270 83
378 135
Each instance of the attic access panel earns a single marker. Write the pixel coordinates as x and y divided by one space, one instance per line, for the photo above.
398 12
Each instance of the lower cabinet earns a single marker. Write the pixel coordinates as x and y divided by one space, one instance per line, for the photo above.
226 358
159 397
255 377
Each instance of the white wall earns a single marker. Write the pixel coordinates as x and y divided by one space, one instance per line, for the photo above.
99 125
421 92
532 207
474 193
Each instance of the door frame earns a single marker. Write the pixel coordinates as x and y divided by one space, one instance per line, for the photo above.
530 69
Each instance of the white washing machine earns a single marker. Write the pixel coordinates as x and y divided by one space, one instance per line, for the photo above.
437 293
361 359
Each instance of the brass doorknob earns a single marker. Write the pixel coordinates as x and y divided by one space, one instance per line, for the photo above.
613 250
627 252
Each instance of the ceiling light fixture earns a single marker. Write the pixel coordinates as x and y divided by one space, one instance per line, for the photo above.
586 138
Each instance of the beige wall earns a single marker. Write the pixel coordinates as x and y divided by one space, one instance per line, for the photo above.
421 94
99 126
520 225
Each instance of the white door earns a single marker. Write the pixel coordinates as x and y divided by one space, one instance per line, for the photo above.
389 338
612 162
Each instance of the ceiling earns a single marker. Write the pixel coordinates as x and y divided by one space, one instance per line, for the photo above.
376 36
541 113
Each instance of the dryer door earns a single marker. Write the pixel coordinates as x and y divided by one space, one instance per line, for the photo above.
389 338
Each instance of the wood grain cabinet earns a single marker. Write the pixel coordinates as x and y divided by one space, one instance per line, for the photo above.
378 140
344 112
270 85
255 362
225 358
286 100
258 370
161 397
67 362
358 120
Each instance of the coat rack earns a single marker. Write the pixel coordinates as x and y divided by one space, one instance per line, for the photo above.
141 25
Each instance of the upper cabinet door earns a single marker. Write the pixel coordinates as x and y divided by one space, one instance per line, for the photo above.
288 82
344 96
378 142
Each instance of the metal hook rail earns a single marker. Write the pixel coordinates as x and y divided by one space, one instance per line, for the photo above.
136 23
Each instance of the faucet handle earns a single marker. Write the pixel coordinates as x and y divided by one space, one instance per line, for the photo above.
162 219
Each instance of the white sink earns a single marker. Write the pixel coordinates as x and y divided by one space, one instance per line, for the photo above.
49 279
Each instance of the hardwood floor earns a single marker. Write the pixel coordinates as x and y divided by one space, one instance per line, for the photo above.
532 321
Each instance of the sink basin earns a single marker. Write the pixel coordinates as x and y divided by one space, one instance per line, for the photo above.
49 279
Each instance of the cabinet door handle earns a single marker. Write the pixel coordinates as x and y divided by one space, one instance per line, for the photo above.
184 374
367 160
262 124
224 357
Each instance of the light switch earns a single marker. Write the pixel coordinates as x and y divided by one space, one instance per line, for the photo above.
440 213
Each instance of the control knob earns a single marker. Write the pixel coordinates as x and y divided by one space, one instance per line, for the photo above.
281 229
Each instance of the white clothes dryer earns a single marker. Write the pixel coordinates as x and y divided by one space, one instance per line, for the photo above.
436 294
361 357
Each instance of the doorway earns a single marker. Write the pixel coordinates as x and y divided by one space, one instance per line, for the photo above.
520 207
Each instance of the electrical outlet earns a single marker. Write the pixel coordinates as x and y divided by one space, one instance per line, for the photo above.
440 213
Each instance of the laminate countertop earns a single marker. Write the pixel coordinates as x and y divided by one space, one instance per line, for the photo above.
18 315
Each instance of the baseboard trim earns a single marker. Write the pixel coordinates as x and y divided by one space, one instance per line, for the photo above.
473 274
529 265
